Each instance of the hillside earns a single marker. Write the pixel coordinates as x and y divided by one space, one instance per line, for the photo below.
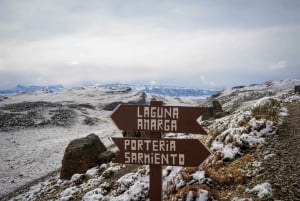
243 141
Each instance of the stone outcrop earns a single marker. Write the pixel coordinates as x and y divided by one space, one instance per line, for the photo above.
297 89
82 154
214 111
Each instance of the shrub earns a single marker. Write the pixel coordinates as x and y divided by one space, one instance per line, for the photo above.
269 110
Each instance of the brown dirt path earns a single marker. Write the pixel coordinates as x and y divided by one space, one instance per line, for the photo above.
283 169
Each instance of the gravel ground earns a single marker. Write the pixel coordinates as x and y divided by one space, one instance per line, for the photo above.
282 169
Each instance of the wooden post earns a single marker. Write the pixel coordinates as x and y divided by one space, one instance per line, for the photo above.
155 187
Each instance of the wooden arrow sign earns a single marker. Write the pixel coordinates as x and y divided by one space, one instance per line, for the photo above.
176 119
161 151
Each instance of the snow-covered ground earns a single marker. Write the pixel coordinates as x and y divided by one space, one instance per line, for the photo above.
30 153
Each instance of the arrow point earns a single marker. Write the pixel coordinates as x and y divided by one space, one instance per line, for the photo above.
201 129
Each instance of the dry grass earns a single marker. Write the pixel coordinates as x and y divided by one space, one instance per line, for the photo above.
182 193
269 111
225 178
230 174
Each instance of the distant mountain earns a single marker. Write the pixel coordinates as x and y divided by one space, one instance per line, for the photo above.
22 88
180 92
168 90
153 89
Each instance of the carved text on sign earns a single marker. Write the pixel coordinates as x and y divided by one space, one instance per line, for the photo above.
152 152
160 151
157 118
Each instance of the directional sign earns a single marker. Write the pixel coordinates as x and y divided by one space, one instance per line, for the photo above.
176 119
156 151
161 151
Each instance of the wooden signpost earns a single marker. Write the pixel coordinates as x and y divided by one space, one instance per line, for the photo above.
155 150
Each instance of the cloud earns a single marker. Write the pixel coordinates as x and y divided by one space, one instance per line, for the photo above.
206 82
73 41
278 65
138 54
72 62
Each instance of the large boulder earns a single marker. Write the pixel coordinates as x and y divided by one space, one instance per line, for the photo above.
214 111
82 154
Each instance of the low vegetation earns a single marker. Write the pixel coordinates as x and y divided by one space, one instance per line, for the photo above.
269 110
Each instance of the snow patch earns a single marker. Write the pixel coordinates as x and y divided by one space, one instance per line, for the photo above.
229 151
242 199
199 176
261 102
133 186
92 171
256 164
283 112
68 193
202 195
262 190
93 195
269 156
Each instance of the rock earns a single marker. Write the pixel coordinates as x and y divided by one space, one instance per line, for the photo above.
241 188
107 173
239 87
217 94
215 111
297 89
111 106
80 155
78 179
140 100
105 157
90 120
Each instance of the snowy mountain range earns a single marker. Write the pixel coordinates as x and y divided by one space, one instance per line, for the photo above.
23 88
154 89
168 90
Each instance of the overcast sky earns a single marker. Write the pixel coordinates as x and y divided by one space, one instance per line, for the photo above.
213 43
